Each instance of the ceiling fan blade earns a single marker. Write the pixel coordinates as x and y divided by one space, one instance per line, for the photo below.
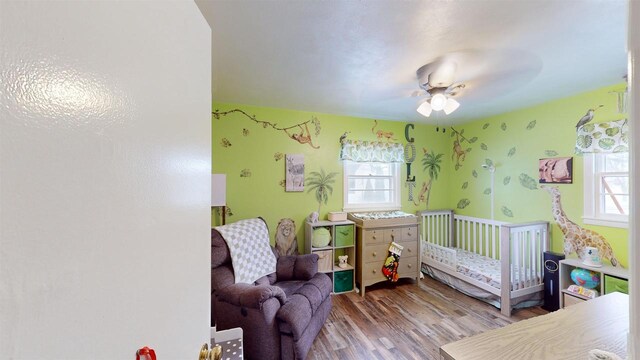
454 90
437 73
418 93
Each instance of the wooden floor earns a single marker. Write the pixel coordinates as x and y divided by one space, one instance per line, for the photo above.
408 320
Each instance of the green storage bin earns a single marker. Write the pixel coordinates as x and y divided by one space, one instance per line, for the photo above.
342 281
344 235
613 284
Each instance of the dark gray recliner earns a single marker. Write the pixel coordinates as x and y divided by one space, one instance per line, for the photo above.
280 314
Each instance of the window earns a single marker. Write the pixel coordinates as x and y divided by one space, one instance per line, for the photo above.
371 185
606 189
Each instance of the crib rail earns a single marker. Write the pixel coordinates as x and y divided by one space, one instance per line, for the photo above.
522 260
437 227
440 254
480 236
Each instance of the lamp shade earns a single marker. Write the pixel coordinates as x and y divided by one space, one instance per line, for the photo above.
218 189
424 109
451 106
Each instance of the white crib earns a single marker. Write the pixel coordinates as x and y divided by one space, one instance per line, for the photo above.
496 258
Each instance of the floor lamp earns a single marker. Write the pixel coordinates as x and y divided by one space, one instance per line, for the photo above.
219 193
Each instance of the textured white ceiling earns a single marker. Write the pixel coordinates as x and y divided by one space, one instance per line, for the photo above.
359 57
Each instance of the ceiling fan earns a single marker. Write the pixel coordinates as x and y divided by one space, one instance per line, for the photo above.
436 80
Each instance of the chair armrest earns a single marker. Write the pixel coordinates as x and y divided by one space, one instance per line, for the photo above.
297 267
297 313
249 295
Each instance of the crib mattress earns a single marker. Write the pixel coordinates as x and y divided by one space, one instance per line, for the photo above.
483 269
478 267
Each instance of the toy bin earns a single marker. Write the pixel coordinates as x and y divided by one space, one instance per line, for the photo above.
612 284
325 260
342 281
344 235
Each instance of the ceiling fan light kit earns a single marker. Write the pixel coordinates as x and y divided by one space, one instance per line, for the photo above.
437 80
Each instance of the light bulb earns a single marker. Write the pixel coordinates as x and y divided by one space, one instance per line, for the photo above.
438 101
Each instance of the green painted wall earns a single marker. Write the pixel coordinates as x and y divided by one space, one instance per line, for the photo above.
253 147
553 130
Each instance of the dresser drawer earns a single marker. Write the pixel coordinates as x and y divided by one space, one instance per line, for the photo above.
373 271
410 233
373 236
394 234
375 253
408 265
409 249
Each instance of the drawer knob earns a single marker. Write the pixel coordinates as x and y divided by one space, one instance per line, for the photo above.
409 266
374 271
373 237
409 250
374 254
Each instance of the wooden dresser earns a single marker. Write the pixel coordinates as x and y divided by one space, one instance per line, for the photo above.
373 237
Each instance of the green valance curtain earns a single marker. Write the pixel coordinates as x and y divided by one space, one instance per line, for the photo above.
606 137
365 151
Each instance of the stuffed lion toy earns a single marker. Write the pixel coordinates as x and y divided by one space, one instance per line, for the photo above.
286 239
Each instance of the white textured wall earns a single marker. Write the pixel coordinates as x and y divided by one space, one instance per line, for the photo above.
105 159
634 218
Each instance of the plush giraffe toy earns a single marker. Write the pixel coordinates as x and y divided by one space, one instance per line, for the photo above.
577 238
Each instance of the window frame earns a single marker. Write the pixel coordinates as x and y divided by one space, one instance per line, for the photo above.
395 204
593 166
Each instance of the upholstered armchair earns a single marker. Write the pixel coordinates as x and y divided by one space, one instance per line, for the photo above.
280 314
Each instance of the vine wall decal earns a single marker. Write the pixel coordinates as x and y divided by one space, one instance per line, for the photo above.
298 132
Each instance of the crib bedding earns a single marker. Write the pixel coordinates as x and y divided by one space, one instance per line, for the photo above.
478 267
483 269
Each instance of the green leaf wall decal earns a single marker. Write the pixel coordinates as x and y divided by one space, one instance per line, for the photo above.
465 184
528 182
487 191
485 126
506 211
511 152
474 173
531 124
503 126
483 146
551 153
506 180
463 203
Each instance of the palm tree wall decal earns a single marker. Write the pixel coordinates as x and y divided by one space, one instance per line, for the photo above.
321 183
431 163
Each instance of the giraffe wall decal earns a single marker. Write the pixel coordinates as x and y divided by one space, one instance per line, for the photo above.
577 238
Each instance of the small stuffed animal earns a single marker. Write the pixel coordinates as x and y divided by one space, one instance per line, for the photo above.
343 261
313 217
